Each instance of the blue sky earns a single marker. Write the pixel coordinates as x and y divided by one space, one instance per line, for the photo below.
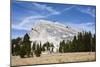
24 14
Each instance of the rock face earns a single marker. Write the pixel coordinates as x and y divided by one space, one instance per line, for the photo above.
53 32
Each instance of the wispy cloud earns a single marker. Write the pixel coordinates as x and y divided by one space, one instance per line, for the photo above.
30 18
26 23
46 8
68 8
89 26
90 11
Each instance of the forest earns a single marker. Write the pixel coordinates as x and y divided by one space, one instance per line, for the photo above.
83 42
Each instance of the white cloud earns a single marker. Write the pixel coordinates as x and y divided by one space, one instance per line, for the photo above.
26 23
68 8
88 11
27 19
46 8
89 26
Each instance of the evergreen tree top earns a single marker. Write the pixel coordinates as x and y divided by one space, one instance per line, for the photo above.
26 37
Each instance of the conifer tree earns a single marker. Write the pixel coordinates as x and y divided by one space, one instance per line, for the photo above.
83 42
26 46
38 51
16 46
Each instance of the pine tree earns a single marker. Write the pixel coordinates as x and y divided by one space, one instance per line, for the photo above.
60 47
26 46
83 42
38 51
40 46
16 46
52 46
94 43
22 51
13 46
43 47
34 46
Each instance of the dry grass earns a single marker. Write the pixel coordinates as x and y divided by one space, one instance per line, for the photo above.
54 58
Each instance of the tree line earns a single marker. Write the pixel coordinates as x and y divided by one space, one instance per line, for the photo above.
83 42
24 49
